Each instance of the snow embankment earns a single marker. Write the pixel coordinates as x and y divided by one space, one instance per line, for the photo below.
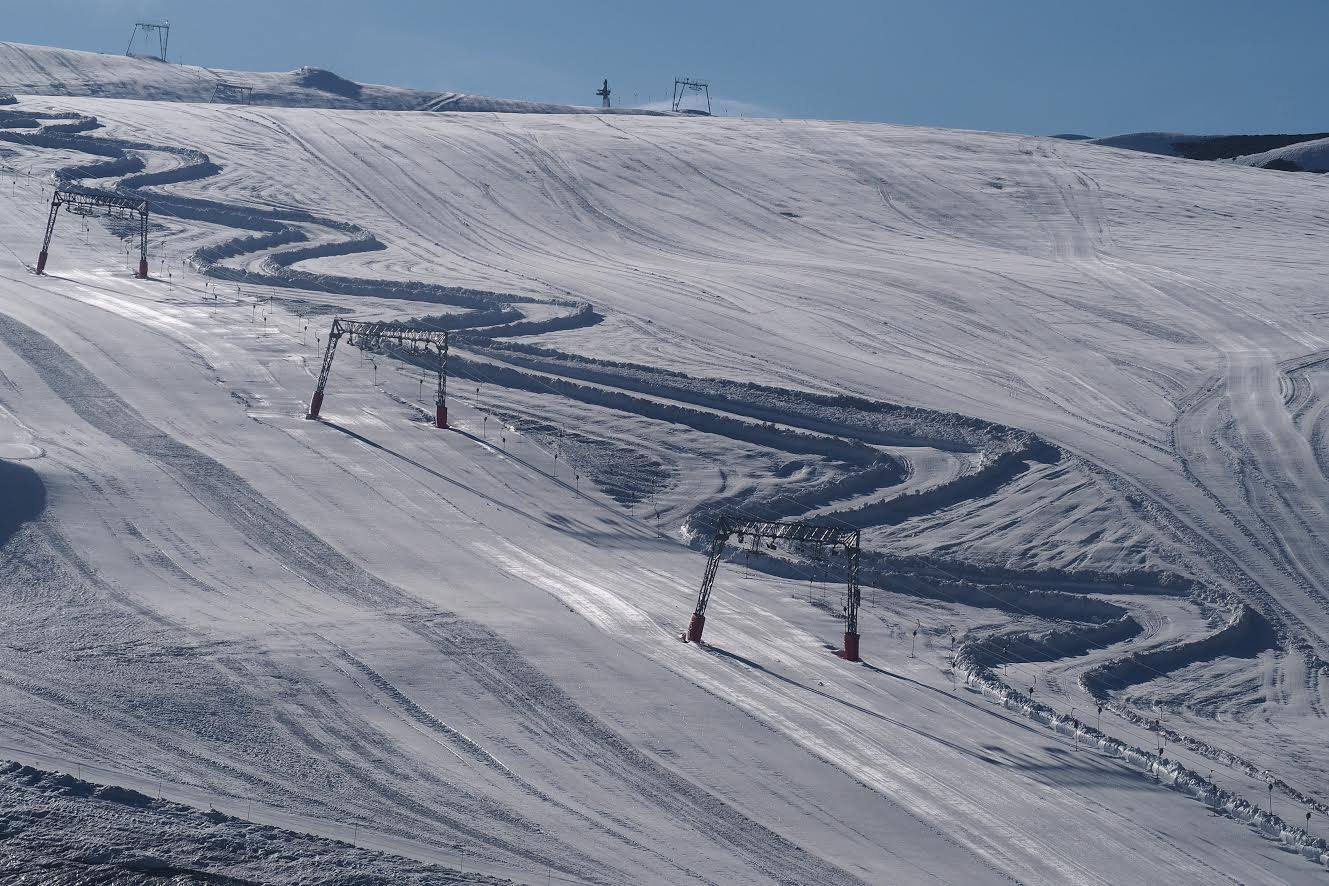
47 70
1246 635
1168 772
58 829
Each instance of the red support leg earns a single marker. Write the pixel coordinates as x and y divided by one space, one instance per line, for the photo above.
440 416
695 627
41 262
315 405
142 269
850 651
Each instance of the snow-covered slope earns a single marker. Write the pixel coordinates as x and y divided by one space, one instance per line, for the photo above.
44 70
1072 398
1164 143
59 830
1310 156
1207 147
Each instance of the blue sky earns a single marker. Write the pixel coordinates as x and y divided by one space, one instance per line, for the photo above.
1032 66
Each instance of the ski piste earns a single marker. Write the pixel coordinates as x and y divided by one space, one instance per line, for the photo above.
1022 369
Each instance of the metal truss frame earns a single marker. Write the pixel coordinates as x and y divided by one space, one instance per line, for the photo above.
371 335
232 93
148 29
86 201
798 532
684 85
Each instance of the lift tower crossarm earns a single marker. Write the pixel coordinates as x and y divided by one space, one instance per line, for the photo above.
372 334
800 532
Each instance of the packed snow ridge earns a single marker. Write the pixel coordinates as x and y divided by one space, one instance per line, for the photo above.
59 830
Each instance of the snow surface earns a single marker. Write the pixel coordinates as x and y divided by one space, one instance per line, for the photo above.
1163 143
1311 156
61 831
43 70
1249 150
1071 397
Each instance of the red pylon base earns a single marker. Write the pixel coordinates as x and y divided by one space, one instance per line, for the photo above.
695 627
314 406
850 650
142 269
41 262
441 417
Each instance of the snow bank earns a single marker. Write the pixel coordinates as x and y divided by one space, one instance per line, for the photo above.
1168 772
57 829
1245 635
22 497
872 421
1053 644
996 471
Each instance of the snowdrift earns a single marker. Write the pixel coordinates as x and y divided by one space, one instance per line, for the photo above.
75 831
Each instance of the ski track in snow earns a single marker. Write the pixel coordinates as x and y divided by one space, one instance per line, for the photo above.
232 499
838 429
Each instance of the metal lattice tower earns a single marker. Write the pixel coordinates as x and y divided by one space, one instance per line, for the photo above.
684 86
371 334
150 32
86 201
232 93
603 92
799 532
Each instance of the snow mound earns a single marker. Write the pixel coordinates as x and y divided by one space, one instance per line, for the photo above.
1204 147
72 831
46 70
326 81
1311 156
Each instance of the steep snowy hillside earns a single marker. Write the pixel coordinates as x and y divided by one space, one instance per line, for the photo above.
1072 399
46 70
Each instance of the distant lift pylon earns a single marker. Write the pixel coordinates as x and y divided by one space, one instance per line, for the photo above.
797 532
369 334
148 31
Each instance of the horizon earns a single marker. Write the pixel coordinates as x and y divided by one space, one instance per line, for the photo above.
1137 69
